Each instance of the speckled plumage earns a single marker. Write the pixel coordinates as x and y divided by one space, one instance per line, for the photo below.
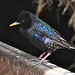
40 39
40 33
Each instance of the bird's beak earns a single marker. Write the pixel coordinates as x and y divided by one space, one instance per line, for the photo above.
13 24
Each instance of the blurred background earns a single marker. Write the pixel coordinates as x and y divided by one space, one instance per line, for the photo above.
59 14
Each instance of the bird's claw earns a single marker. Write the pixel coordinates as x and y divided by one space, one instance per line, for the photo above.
35 59
39 61
45 61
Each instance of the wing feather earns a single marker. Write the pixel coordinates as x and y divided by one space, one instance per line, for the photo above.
52 34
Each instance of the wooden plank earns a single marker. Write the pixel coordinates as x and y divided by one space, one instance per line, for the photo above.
16 62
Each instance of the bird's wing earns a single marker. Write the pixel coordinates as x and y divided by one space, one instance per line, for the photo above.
47 31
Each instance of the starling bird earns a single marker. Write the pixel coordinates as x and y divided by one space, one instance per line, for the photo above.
40 34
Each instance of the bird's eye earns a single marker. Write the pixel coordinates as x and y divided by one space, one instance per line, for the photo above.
22 21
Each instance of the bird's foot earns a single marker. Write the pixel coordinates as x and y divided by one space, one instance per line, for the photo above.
40 62
38 59
45 61
35 59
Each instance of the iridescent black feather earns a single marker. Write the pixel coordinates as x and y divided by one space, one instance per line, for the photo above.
40 33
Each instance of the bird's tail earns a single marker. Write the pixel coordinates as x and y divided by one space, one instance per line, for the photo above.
65 44
71 47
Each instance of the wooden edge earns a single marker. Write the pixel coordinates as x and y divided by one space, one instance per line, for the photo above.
22 60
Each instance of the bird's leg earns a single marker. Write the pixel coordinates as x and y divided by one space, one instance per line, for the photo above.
40 57
43 59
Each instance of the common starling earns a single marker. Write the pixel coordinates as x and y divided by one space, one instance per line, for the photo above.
40 34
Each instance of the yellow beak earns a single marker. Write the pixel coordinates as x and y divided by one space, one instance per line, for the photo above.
13 24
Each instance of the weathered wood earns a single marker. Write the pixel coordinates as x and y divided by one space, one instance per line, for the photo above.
16 62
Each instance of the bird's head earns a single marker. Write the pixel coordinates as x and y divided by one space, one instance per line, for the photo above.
24 20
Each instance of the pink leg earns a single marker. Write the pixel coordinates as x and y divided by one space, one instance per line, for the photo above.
40 57
42 60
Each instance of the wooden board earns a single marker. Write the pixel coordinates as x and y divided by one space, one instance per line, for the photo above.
16 62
